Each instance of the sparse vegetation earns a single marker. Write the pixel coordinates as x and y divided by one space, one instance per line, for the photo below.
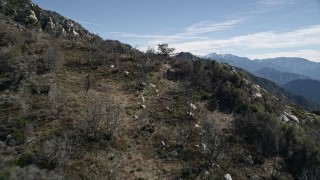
88 108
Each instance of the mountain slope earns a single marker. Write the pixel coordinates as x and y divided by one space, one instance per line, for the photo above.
186 55
236 61
273 88
293 65
29 14
284 94
278 77
88 108
308 88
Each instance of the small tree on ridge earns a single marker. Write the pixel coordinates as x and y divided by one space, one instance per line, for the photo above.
165 50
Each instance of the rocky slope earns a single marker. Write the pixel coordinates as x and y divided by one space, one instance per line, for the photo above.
29 14
87 108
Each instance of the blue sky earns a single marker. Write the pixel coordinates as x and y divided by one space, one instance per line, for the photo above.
250 28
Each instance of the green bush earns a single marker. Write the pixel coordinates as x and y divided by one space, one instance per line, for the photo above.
302 154
25 159
261 130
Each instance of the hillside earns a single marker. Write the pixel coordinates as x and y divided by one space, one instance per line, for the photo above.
308 88
30 15
268 85
278 77
283 94
80 107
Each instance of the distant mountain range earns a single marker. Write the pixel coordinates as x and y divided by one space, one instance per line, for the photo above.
283 64
278 77
242 62
306 87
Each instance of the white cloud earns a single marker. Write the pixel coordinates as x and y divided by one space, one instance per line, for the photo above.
313 55
165 38
206 26
274 2
195 39
309 36
192 32
89 23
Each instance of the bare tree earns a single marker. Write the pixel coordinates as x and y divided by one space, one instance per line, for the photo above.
150 51
55 100
211 141
56 151
112 115
101 118
24 100
52 58
93 116
183 134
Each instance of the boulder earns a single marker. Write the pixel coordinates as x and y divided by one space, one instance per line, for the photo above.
143 84
143 99
143 106
257 95
75 33
194 107
291 117
33 16
190 114
285 118
227 177
153 85
294 118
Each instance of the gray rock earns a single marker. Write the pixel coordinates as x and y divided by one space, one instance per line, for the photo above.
2 145
227 177
142 106
291 117
173 153
10 150
285 118
9 137
143 84
12 142
248 161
